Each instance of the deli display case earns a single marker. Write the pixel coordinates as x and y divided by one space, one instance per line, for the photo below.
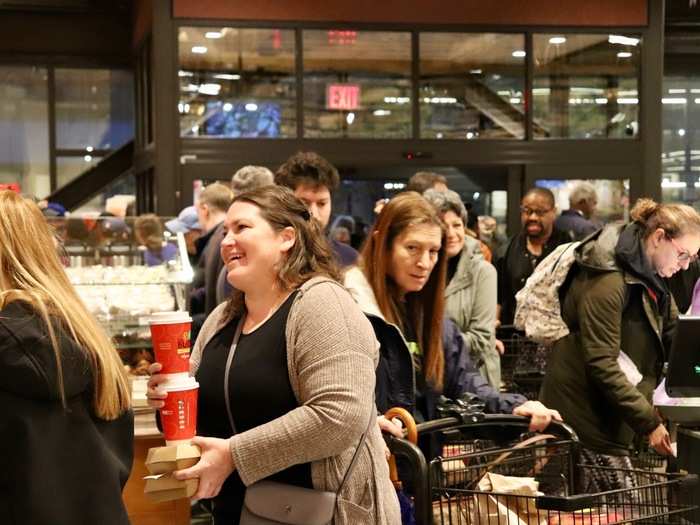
124 275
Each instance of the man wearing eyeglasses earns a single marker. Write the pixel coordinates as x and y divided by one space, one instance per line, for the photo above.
524 251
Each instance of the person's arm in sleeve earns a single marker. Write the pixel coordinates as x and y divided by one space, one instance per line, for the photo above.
600 317
335 354
480 335
500 285
461 376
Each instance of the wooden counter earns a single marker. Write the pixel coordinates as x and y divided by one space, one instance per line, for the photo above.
141 510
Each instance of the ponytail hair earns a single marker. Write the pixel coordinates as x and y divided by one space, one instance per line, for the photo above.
310 256
675 219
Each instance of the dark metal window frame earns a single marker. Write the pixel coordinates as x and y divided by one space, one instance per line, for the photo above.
188 159
527 32
51 64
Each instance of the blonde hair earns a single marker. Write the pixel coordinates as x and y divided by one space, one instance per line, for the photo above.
675 219
30 271
217 196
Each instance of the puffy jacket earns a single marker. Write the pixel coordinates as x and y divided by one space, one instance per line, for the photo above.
395 373
609 307
58 466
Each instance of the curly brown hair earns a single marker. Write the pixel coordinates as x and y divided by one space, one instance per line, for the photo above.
307 168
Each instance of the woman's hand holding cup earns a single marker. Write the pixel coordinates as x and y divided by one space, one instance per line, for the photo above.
155 393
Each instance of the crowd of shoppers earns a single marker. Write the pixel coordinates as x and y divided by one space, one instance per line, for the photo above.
313 341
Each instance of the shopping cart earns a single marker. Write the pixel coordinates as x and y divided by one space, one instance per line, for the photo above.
523 362
494 445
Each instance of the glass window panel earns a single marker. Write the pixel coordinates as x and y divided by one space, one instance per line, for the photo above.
94 108
586 86
357 84
680 158
613 197
237 83
472 85
482 189
24 129
68 168
123 190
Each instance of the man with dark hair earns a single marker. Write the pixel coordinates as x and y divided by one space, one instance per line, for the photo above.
427 180
524 251
313 180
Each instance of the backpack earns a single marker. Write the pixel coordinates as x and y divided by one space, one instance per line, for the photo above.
538 310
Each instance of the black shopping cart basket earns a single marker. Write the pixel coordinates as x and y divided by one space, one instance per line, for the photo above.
492 471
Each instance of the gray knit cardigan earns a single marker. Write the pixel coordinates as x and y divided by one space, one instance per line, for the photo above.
331 358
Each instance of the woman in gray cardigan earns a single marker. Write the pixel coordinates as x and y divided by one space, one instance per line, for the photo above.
470 295
301 380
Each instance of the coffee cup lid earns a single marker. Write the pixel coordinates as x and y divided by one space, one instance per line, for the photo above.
179 384
177 316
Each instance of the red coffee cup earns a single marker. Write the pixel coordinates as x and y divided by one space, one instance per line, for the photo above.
170 335
179 413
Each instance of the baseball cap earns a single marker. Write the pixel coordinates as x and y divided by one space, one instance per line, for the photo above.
185 221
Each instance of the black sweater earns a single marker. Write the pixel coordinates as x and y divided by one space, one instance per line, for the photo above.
57 466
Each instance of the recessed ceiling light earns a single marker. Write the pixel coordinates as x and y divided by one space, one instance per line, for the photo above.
519 53
213 34
556 40
624 54
199 50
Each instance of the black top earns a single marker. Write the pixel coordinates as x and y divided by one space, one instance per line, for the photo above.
414 346
58 465
259 392
452 264
517 265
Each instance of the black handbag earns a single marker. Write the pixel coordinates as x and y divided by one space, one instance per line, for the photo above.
270 502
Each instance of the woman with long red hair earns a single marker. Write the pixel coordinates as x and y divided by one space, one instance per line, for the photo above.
400 285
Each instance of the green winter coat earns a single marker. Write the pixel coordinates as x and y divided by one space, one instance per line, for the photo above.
607 309
470 301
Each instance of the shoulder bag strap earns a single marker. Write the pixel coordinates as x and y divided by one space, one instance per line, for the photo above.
227 372
353 461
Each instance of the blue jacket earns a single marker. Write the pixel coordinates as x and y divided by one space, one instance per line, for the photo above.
395 373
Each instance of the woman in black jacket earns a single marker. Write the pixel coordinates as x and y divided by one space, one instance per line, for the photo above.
66 430
400 286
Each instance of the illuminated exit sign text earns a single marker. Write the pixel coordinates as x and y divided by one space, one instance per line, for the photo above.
344 97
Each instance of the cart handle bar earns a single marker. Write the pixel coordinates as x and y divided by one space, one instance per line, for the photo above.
557 428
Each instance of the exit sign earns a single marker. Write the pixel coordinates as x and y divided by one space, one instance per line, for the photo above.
344 97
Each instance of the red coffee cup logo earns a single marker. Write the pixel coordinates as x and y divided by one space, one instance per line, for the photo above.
170 335
179 413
